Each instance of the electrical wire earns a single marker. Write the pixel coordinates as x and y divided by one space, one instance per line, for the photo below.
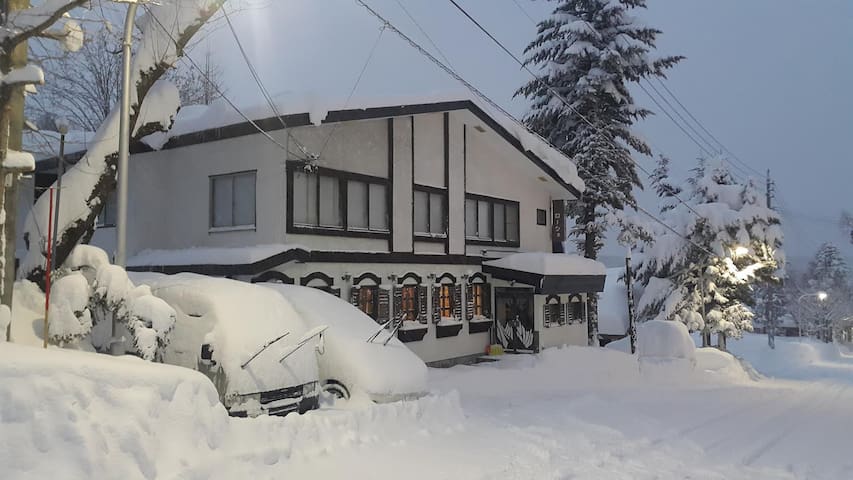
481 95
560 97
219 90
425 34
260 84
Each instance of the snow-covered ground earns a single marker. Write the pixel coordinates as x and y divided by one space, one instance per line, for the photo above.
566 413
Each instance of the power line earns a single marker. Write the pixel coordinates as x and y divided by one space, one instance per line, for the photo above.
353 89
425 34
560 97
260 83
725 149
479 94
524 11
713 147
216 87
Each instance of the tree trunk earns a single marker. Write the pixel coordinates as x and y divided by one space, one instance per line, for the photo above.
721 341
590 251
706 338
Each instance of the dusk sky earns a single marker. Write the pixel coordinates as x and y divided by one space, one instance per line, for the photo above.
770 79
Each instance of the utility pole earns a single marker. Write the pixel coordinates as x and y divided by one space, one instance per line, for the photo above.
11 131
769 294
629 284
124 137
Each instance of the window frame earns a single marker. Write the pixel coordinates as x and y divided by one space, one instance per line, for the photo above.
343 178
430 191
445 300
101 219
374 300
492 201
211 228
414 311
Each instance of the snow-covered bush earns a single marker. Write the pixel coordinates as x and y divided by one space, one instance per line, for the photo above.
95 293
69 314
666 340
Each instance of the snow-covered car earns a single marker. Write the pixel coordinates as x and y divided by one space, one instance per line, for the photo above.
247 339
357 354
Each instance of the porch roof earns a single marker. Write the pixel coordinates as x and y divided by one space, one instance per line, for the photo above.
549 273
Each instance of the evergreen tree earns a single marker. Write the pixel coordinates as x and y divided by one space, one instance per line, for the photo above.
727 240
823 316
588 52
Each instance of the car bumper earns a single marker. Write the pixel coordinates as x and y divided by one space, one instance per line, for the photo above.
300 399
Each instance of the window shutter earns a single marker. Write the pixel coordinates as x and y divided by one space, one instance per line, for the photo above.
422 304
562 313
353 295
487 300
547 315
398 302
567 312
436 303
383 312
469 302
457 301
335 291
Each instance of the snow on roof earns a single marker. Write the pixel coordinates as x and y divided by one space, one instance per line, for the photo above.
613 305
210 255
197 118
540 263
44 144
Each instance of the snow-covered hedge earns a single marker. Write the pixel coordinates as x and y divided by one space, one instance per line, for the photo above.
90 291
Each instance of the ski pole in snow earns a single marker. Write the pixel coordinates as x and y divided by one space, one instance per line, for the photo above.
47 266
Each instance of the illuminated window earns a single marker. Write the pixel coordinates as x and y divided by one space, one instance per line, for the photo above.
367 300
446 301
409 308
478 299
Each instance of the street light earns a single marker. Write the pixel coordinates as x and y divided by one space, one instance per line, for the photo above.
124 136
820 295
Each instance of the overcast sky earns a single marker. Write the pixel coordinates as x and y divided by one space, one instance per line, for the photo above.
771 79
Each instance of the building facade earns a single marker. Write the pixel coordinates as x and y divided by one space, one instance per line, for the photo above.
397 209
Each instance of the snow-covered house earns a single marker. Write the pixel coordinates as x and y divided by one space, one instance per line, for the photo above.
436 213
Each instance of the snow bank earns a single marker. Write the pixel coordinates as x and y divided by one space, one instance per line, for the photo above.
67 414
795 358
210 255
382 371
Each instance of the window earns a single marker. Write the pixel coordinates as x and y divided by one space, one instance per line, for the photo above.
367 301
478 299
338 201
107 217
541 217
491 220
232 200
430 211
445 301
409 304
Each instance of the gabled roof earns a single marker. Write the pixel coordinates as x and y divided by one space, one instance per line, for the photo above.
202 124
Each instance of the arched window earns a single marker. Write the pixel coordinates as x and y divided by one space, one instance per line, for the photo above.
273 276
553 313
320 281
366 294
446 299
478 298
410 298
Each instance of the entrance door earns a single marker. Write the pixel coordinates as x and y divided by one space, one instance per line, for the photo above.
514 319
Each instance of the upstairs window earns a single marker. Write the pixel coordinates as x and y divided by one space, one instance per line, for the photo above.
107 217
430 212
334 200
491 220
232 200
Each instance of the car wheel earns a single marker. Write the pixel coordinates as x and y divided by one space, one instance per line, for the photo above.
336 388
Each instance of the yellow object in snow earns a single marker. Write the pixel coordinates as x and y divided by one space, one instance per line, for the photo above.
496 349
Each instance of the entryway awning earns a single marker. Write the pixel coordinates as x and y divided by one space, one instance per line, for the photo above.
549 273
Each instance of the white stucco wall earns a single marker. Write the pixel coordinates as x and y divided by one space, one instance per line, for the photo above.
429 149
557 335
402 186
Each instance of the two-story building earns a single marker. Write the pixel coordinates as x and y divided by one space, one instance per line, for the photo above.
438 215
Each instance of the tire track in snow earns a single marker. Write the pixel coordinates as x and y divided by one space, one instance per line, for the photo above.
794 423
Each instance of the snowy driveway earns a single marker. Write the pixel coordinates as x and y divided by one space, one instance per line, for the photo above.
575 413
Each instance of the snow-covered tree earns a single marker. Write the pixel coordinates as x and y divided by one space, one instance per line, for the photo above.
84 86
166 28
91 299
824 297
587 53
726 240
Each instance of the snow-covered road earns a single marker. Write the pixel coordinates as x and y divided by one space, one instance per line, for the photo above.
573 413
